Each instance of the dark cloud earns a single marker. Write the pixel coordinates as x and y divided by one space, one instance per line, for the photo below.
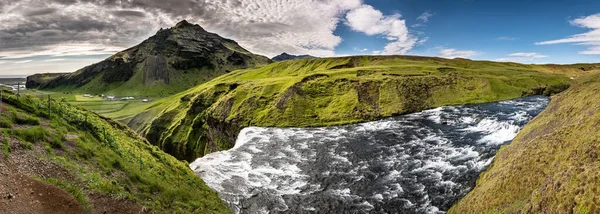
266 27
129 13
46 11
47 33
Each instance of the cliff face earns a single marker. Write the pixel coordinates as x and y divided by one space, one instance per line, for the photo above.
171 61
552 166
322 92
36 80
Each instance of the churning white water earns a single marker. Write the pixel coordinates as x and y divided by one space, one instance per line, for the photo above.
415 163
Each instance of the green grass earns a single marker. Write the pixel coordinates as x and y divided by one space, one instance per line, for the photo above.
105 159
330 91
5 123
6 144
33 135
25 119
552 166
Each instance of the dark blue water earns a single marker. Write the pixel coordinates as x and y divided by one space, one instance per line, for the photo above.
416 163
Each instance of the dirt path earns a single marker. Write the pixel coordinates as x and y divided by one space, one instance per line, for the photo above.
21 194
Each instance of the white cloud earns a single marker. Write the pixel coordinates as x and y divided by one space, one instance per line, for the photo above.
425 17
590 38
370 21
54 60
453 53
22 61
271 27
522 57
528 54
73 49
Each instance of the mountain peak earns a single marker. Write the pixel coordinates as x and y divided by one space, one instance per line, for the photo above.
286 56
185 24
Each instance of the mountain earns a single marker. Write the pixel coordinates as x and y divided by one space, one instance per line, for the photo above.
552 166
285 56
332 91
171 61
56 158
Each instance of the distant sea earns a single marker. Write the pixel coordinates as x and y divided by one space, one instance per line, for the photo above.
13 76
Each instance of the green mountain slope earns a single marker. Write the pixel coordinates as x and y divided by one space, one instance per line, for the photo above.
171 61
552 166
330 91
104 165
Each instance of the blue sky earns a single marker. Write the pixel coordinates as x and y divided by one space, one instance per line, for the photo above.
494 29
38 36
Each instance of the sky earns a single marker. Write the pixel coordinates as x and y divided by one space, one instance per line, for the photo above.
39 36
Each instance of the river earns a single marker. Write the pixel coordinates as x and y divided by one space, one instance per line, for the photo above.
415 163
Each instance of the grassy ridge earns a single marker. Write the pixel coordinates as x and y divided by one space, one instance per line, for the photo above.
104 157
552 166
329 91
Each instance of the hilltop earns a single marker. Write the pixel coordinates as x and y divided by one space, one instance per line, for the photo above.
56 158
332 91
171 61
286 56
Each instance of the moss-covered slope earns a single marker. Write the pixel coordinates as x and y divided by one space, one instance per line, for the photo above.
173 60
329 91
552 166
104 165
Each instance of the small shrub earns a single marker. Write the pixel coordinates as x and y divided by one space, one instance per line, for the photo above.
57 144
27 145
33 134
27 120
4 123
49 149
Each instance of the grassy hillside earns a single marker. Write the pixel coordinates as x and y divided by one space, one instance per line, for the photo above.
103 165
552 166
330 91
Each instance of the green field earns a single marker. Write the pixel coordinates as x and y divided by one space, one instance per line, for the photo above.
117 110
